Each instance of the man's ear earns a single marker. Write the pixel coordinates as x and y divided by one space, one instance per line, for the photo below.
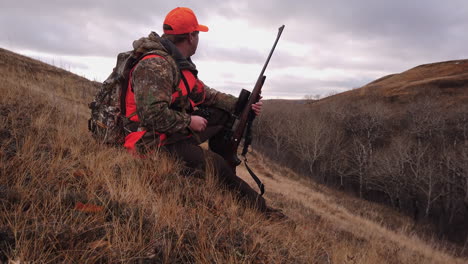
191 37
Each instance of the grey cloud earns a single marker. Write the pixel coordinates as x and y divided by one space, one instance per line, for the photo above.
233 54
415 29
303 86
418 31
359 36
391 35
64 27
368 18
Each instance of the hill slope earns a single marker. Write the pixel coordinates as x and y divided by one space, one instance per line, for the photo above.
446 80
401 140
65 199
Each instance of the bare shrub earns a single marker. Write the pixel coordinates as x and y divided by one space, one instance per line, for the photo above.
308 137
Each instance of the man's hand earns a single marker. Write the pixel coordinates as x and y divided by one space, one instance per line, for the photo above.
257 107
198 123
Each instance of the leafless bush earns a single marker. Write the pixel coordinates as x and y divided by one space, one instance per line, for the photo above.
415 155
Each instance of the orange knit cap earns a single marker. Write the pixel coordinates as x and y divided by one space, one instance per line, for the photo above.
182 20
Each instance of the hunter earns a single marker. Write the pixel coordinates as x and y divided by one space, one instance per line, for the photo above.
164 94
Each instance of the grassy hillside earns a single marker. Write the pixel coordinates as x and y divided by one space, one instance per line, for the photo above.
401 140
446 80
66 199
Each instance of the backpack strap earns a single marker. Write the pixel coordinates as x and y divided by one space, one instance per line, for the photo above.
127 84
132 66
187 90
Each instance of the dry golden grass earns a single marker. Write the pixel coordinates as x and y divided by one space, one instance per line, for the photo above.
445 80
378 234
66 199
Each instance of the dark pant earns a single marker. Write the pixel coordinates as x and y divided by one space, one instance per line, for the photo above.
195 159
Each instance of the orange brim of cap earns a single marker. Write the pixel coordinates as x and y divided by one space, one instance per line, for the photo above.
202 28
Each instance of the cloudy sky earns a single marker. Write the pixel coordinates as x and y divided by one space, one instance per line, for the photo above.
327 46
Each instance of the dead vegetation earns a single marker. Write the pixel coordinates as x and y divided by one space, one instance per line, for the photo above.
66 199
401 140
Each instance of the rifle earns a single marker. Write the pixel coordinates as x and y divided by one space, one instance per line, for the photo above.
240 123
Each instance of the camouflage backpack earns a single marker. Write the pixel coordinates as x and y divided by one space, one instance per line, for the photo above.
107 122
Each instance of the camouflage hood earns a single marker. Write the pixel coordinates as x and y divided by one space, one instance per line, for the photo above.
155 42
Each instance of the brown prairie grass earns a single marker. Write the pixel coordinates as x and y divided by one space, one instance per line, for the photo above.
66 199
444 80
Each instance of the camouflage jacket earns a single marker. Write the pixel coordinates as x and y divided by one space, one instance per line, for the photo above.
155 80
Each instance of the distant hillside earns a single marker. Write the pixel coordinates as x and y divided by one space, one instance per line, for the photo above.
66 199
13 61
401 140
448 81
287 101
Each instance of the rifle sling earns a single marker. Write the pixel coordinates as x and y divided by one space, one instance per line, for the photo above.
247 142
248 133
256 179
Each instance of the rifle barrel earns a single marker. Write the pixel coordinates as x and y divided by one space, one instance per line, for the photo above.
280 31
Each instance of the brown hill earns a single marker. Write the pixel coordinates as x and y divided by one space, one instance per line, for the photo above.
66 199
448 81
14 61
401 140
33 74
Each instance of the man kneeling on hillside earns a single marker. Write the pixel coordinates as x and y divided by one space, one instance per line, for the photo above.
164 93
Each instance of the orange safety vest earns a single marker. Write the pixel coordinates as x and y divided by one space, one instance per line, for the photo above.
192 83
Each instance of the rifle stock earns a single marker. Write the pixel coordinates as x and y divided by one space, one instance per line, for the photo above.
239 123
